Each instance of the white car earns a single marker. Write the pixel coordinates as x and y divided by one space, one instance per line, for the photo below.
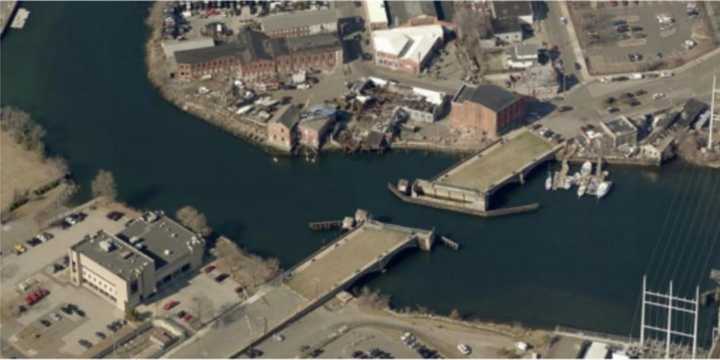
563 20
666 74
464 349
657 96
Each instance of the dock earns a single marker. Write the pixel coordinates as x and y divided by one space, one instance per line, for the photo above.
20 18
467 186
325 225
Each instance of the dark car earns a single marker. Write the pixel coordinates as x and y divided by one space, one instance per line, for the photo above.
577 66
220 278
635 103
45 323
612 110
115 215
84 343
100 335
254 353
565 108
640 92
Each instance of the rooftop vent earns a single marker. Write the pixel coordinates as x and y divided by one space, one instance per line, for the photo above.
134 239
167 252
107 246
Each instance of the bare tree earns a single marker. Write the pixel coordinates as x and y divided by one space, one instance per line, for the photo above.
193 219
104 185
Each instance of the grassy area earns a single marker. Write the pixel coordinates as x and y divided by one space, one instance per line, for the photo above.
482 172
22 170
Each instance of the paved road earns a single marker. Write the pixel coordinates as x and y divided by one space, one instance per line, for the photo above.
556 34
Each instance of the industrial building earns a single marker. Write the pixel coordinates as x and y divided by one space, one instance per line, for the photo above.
315 124
256 56
129 267
300 24
281 132
406 49
622 132
489 109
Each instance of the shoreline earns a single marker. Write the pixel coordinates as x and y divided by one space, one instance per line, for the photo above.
245 131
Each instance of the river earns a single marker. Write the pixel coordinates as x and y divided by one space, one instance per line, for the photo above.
78 68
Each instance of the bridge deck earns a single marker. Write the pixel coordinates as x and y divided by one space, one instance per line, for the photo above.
356 251
491 168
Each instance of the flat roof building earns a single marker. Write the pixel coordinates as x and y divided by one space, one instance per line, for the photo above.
300 23
412 13
131 266
513 10
621 130
487 108
376 14
170 47
406 49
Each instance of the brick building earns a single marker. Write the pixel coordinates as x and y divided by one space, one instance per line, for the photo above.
255 56
300 24
487 108
315 124
281 129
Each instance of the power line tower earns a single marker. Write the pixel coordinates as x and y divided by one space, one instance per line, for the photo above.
670 306
714 102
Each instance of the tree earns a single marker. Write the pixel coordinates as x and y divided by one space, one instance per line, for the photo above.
193 219
104 185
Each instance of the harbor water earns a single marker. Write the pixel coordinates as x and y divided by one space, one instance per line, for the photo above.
79 69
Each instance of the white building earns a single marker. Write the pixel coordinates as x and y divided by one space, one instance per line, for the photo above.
130 267
406 49
523 56
376 14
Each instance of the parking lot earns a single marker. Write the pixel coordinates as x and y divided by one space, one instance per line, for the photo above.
196 300
646 36
44 328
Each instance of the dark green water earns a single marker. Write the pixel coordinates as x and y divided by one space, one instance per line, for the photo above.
78 68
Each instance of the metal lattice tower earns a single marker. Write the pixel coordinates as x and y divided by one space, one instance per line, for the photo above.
673 305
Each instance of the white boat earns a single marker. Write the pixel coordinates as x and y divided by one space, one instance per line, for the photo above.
581 190
603 189
548 181
586 168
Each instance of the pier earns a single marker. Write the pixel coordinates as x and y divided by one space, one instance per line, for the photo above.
467 186
7 10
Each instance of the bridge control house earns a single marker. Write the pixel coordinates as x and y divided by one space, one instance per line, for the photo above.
129 267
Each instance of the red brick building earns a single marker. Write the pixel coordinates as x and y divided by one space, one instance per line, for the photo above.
281 129
254 56
489 109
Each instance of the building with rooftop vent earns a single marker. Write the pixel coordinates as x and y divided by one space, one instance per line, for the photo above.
487 108
621 131
129 267
407 49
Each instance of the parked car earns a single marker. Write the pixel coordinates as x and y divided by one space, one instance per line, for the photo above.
101 335
32 242
85 343
45 323
44 237
464 349
640 92
56 316
187 317
170 304
657 96
115 215
565 108
220 278
612 110
181 314
33 297
20 249
210 268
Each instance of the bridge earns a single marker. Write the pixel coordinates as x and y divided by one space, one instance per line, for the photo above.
367 248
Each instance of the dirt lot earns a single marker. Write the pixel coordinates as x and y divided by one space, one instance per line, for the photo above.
21 170
660 45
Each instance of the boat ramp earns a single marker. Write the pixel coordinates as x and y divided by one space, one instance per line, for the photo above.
467 186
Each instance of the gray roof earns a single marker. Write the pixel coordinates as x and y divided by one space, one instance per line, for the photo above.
691 110
298 19
165 240
490 96
527 49
250 46
123 260
288 115
512 9
317 117
504 26
620 125
406 10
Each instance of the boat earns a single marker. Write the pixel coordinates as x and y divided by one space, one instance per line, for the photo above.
548 181
603 189
586 168
581 190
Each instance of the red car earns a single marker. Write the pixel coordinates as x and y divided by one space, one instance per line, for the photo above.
170 304
187 317
35 296
210 269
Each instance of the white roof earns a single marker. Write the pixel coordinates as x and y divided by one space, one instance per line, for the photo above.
376 11
597 350
408 42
